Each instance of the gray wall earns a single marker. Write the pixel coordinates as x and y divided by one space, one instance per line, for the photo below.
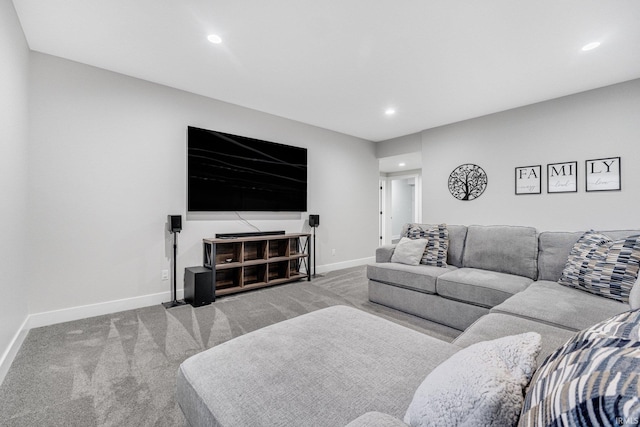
14 64
590 125
402 145
108 164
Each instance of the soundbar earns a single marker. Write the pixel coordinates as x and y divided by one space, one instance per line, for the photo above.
248 234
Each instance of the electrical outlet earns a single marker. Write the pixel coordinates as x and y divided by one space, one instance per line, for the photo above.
165 274
333 252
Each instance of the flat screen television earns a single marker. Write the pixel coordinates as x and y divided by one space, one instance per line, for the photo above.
236 173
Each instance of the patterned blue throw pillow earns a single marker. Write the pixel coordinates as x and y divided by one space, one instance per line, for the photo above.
593 380
435 253
604 267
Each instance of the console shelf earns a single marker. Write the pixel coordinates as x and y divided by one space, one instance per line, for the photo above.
244 263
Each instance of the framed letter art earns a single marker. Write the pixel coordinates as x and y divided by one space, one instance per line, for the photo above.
562 177
528 179
603 174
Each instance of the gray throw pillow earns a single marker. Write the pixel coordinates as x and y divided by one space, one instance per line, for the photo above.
481 385
409 251
437 237
592 380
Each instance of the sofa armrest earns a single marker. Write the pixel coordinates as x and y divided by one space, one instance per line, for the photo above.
383 253
376 419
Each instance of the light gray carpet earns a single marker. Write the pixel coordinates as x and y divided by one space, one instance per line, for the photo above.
119 369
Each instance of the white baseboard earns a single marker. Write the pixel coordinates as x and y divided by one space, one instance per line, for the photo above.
10 353
37 320
46 318
345 264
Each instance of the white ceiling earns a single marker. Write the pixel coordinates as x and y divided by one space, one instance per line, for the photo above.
339 64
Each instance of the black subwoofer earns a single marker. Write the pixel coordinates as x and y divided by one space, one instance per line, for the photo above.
198 286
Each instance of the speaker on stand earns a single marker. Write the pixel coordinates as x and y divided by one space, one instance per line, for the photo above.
175 226
314 222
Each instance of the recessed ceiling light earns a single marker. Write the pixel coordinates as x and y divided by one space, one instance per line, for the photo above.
214 38
402 164
590 46
390 111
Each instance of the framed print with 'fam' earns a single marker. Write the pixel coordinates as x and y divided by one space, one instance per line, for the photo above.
528 179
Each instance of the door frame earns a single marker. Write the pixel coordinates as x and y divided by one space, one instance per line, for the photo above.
385 202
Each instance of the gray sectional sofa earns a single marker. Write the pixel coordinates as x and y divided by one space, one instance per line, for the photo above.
341 366
324 368
499 280
485 266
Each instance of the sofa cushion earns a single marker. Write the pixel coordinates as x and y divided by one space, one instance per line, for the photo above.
480 287
455 314
554 247
417 277
602 266
437 243
409 251
324 368
502 248
480 385
457 237
557 305
496 325
592 380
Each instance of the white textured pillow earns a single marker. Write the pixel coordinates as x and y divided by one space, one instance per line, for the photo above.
634 295
409 251
481 385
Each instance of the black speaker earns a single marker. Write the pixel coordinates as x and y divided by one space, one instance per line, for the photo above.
314 220
198 286
175 223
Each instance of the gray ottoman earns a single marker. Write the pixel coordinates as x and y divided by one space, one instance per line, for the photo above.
324 368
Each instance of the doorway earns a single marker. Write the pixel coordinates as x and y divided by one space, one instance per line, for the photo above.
400 195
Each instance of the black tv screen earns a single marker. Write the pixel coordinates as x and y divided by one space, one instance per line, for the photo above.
235 173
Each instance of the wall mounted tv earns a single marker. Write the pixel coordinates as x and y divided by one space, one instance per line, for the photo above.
235 173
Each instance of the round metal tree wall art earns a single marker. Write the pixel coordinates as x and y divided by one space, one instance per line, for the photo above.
467 182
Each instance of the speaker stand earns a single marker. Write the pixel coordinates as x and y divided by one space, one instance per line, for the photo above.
174 302
314 251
